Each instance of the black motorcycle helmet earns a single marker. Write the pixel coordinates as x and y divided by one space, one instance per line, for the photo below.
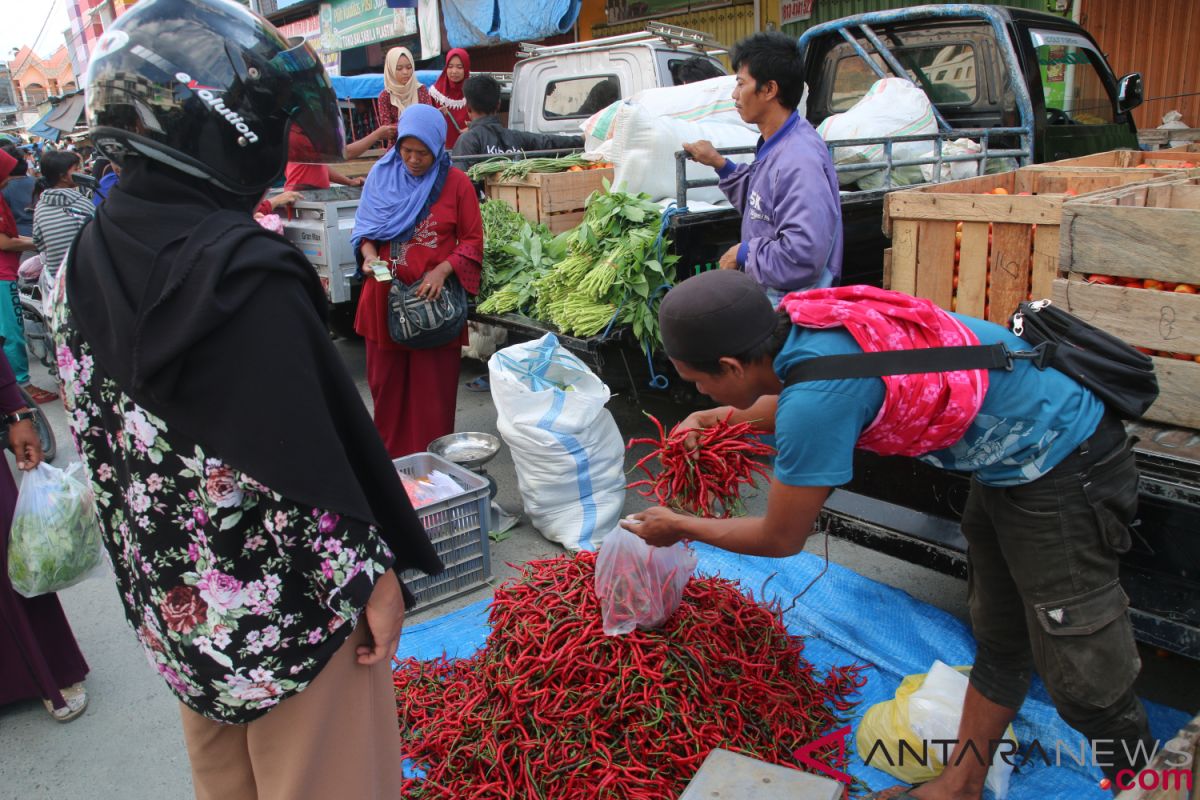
211 89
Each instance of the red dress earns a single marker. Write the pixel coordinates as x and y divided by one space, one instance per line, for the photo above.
388 114
415 391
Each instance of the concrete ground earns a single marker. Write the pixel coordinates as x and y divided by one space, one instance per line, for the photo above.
129 746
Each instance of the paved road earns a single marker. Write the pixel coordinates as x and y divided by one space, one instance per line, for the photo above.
128 745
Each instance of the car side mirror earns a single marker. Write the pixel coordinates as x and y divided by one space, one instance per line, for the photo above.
1129 92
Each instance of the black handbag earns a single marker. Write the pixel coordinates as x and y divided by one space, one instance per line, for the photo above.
416 322
1118 374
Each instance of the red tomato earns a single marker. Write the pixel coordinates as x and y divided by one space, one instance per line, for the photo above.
1107 279
1150 283
1185 288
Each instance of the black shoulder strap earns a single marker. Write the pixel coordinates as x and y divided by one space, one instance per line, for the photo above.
901 362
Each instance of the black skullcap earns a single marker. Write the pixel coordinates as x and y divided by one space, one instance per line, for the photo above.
717 313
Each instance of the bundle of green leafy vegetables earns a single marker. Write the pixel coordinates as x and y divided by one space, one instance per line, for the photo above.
55 537
610 271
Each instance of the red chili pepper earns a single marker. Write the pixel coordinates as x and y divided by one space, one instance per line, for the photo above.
552 708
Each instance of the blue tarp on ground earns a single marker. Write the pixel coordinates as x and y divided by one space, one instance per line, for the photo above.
848 618
470 23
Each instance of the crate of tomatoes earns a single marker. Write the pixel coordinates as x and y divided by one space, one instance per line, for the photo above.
981 246
1131 258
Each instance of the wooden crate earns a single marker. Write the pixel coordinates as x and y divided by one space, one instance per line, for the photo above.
1009 243
1154 162
1139 233
1187 151
556 199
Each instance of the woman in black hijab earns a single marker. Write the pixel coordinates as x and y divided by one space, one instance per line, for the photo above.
255 522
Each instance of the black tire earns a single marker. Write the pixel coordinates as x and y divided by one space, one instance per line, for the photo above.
41 424
37 336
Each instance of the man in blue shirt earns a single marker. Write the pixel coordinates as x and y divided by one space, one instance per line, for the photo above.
1053 490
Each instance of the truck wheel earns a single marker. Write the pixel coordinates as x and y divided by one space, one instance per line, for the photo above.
341 320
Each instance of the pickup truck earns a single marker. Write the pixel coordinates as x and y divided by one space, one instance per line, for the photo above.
1031 88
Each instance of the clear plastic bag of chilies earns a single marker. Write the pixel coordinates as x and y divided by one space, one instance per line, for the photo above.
639 586
55 539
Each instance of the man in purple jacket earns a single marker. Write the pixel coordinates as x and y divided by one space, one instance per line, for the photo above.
788 197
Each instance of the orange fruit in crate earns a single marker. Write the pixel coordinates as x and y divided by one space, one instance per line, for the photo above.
1132 283
999 190
1107 279
1071 193
1185 288
1145 350
1196 358
1181 356
1150 283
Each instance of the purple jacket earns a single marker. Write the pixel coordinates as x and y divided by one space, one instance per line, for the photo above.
791 210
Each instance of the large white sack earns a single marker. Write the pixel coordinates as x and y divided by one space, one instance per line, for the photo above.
891 107
644 147
565 445
702 101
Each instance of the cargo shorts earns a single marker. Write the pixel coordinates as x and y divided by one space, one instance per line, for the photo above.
1043 588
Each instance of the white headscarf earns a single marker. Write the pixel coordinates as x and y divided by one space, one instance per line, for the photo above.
403 95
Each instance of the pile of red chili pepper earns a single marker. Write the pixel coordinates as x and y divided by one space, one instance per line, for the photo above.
706 481
551 708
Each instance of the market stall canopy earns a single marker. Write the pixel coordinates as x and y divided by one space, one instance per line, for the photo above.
61 119
470 23
368 87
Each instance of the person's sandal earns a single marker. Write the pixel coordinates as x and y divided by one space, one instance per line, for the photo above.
77 702
39 395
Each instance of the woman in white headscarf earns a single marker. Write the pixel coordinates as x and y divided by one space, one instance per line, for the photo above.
401 88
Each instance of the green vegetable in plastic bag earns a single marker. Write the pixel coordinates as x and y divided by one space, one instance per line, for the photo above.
55 539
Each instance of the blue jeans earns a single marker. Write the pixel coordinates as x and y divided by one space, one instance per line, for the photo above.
12 329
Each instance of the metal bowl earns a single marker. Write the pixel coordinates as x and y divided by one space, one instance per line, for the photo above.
472 449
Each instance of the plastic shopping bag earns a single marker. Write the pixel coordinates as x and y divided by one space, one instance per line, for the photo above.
926 708
639 586
55 539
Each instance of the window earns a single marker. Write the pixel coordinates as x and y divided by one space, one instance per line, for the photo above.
580 97
927 67
35 94
1073 85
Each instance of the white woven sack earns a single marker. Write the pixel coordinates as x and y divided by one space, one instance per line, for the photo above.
644 147
702 101
891 107
568 453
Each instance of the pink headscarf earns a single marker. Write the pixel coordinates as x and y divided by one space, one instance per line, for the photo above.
920 413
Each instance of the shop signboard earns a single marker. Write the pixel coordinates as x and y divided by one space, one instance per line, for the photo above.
346 24
795 11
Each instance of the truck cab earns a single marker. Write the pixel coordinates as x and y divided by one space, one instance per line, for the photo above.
556 88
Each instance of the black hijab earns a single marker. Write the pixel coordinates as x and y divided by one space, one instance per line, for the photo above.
216 326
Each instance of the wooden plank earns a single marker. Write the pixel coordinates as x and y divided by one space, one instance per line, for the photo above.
557 223
1012 247
1159 243
569 191
527 203
1178 386
1185 196
887 266
904 257
1045 260
1149 318
935 262
972 270
975 208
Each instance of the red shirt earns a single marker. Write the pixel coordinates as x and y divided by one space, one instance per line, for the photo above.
452 232
305 176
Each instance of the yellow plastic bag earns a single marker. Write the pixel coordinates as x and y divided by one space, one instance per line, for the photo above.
898 736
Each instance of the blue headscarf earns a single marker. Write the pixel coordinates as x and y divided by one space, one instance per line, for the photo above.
394 202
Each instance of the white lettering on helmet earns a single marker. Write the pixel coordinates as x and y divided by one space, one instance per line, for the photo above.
215 103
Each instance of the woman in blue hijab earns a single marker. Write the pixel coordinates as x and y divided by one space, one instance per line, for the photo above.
421 216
